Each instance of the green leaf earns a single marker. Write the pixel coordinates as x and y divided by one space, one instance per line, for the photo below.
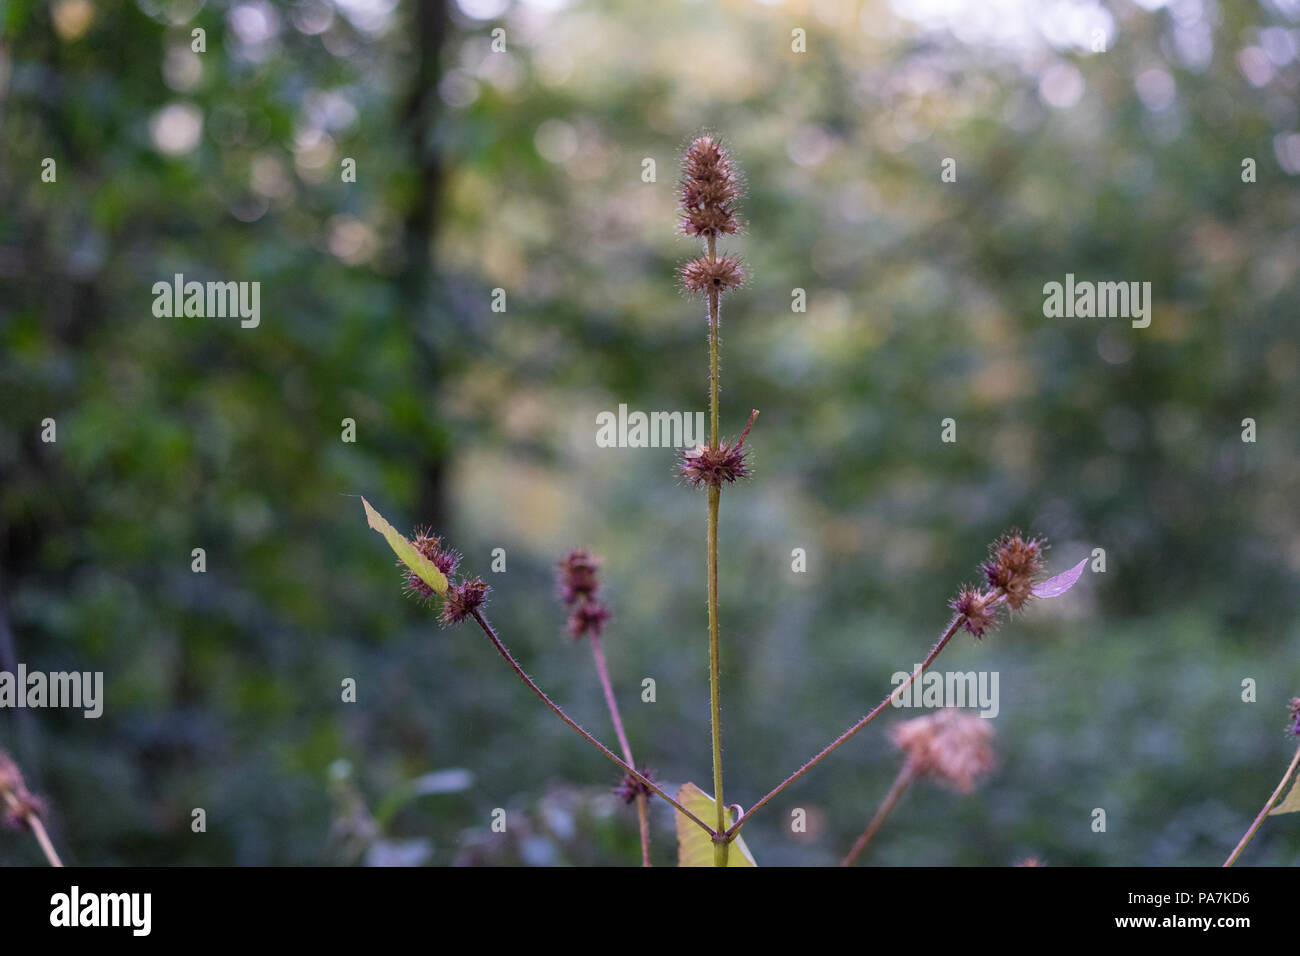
694 845
1292 802
418 563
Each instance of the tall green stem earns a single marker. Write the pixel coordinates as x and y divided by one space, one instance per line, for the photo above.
720 847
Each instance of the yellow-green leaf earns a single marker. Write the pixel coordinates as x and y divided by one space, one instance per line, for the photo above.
694 845
1292 802
418 563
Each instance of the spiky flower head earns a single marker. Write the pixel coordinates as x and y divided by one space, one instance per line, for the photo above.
429 545
629 788
710 193
462 600
705 275
951 746
978 610
710 190
1295 716
579 577
587 617
725 464
579 580
1013 567
702 465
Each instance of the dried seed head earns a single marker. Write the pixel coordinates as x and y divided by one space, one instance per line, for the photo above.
1295 716
706 275
579 582
462 600
587 617
629 788
429 545
951 746
977 609
727 463
705 466
1013 566
710 189
579 577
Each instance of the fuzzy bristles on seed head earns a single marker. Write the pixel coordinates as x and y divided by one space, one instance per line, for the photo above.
429 545
710 189
462 600
629 788
579 582
725 464
579 577
1013 567
587 617
702 465
704 275
952 746
977 609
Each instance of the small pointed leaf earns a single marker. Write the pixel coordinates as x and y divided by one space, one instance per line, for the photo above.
413 559
1053 587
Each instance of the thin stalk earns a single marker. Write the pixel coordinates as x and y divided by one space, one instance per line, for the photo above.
896 790
1250 834
598 652
714 316
559 712
842 738
602 670
38 830
720 847
643 823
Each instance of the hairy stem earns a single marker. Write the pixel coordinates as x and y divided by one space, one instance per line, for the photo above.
643 823
842 738
1250 834
896 790
715 309
559 712
598 652
720 847
602 670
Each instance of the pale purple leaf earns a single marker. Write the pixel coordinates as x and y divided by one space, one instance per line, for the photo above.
1058 585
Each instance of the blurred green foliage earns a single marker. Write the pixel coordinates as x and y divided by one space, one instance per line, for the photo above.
522 170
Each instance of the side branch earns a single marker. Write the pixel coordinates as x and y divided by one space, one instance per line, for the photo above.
842 738
1272 801
559 712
